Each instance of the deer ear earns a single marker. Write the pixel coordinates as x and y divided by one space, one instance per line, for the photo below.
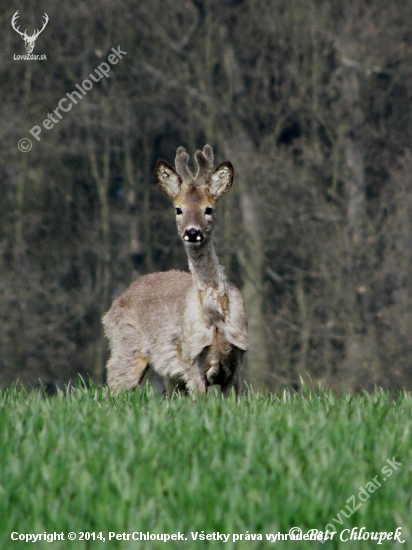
168 181
221 180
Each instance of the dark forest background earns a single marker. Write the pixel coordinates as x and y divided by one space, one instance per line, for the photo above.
311 102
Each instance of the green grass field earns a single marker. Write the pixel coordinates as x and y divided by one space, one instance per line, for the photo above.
87 462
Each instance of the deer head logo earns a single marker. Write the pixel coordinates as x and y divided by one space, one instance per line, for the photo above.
29 41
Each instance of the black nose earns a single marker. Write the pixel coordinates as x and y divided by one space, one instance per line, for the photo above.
193 235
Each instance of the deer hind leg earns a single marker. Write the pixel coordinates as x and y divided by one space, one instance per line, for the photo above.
127 364
124 373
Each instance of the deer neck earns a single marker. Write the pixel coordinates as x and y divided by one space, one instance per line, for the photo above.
205 269
210 282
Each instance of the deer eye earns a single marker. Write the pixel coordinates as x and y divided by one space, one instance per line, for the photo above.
208 211
179 211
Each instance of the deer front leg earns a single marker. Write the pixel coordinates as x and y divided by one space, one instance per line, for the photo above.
233 382
173 386
234 363
195 381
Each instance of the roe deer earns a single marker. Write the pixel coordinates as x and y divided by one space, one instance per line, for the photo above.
190 328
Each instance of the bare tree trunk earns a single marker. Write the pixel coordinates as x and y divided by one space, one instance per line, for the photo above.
361 345
100 170
305 329
240 149
138 199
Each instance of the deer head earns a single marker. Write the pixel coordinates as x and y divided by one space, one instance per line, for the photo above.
194 196
29 41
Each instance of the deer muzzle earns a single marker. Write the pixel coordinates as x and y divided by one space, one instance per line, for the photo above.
193 236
